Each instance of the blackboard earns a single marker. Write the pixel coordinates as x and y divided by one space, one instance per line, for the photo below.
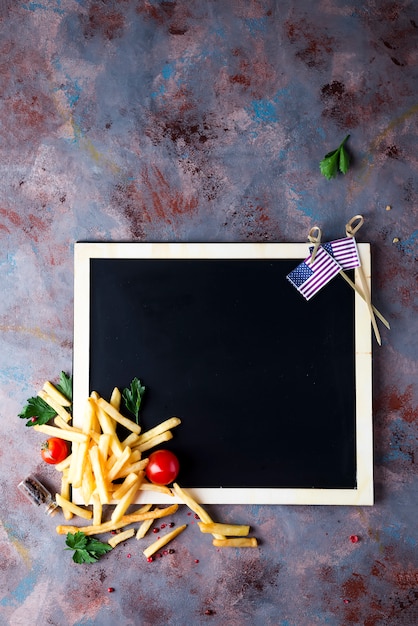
265 383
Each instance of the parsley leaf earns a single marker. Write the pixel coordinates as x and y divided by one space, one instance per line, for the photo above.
86 549
37 408
336 160
65 385
132 397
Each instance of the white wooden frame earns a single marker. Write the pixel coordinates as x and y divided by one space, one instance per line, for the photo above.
363 493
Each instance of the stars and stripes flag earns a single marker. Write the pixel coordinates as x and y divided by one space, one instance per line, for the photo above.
309 278
344 251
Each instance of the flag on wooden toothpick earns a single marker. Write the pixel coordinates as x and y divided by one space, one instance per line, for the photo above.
344 251
309 277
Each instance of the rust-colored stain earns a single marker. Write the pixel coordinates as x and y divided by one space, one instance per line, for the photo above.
152 198
355 587
400 403
313 45
102 21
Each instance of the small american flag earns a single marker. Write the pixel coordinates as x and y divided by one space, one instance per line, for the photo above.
344 252
309 278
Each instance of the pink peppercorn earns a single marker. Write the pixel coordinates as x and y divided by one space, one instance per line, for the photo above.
354 538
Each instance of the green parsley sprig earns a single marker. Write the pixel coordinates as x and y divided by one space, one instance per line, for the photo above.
132 397
37 411
337 160
86 549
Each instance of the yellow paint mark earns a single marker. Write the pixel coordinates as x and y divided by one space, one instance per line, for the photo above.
397 121
73 129
23 551
393 124
35 332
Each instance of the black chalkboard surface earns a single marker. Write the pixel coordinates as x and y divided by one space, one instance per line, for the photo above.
263 381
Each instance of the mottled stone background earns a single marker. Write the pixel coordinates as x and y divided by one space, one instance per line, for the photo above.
204 120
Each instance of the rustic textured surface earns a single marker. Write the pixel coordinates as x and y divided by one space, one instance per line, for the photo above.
206 120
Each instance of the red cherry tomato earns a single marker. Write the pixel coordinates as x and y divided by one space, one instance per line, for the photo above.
54 450
162 468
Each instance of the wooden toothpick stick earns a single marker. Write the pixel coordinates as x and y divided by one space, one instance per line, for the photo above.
315 238
350 231
361 294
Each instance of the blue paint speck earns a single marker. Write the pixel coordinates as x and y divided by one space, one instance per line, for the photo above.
264 111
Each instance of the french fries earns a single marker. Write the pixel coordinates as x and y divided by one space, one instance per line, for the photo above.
194 506
55 404
73 508
220 532
55 394
108 470
126 520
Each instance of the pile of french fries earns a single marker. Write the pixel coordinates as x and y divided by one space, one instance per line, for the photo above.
107 470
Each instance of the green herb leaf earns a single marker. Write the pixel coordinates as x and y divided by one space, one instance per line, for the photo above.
344 160
39 409
336 160
86 549
65 385
132 397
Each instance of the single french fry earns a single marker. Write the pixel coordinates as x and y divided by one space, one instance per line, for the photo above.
228 530
132 468
54 393
115 398
59 410
69 435
155 441
168 424
74 508
126 520
90 417
113 472
163 541
125 501
98 474
104 444
147 486
127 534
108 427
88 484
195 507
143 509
131 440
144 528
73 464
135 456
125 486
80 465
66 493
114 414
236 542
97 509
